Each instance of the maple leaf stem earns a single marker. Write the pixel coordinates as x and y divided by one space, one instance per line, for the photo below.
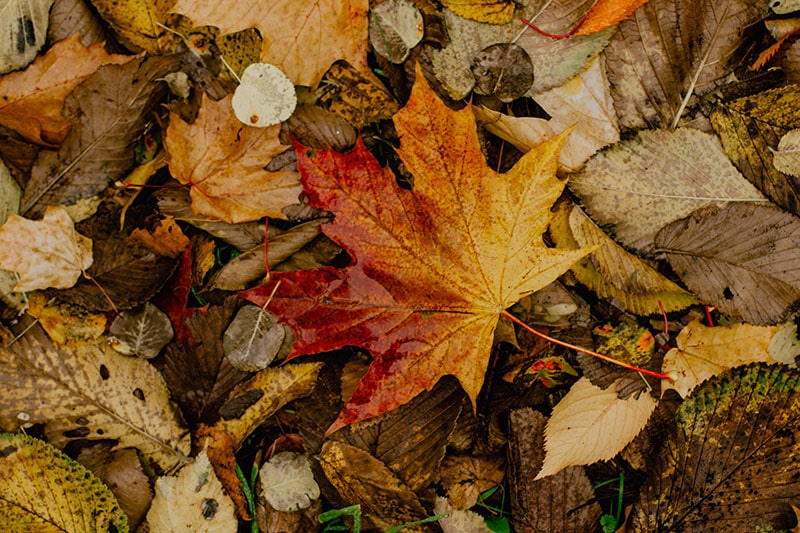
541 335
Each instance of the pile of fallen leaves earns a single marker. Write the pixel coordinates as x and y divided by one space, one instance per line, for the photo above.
303 265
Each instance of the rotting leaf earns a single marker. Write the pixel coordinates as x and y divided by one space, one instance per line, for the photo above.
732 458
423 295
253 339
44 490
503 70
742 258
23 31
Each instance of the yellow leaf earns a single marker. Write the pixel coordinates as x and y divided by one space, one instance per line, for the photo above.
224 163
137 22
590 424
703 352
45 253
44 490
488 11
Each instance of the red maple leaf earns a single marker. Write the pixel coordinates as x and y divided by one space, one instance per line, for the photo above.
431 268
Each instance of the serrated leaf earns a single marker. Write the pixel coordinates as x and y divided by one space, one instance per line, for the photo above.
731 459
742 258
44 490
590 424
90 392
787 157
142 332
640 185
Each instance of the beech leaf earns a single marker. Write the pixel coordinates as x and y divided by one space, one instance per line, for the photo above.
742 258
731 459
224 163
45 253
44 490
590 424
787 156
659 176
433 266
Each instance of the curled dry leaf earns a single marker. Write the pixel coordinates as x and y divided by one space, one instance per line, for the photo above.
224 163
44 490
45 253
590 424
32 99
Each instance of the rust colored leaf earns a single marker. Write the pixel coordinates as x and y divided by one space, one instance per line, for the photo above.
432 268
607 13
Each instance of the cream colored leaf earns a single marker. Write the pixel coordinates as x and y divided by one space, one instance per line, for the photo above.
640 185
395 27
287 482
23 32
787 156
781 7
703 352
583 104
590 424
301 37
44 490
612 271
89 392
45 253
10 195
224 163
264 97
458 520
193 500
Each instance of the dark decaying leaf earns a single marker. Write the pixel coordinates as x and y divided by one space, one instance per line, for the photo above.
750 129
254 338
141 332
743 258
504 70
732 461
319 128
108 113
360 478
198 373
555 503
671 49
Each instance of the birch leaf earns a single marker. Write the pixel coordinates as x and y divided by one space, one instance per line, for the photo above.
787 156
590 424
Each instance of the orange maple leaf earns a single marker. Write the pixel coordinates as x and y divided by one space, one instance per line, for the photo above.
433 267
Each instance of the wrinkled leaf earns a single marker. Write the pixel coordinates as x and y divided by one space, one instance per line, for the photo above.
640 185
653 73
590 424
732 459
287 482
224 163
143 332
44 490
45 253
424 294
90 392
193 500
742 258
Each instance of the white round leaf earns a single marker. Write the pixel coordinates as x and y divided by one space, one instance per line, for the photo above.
264 97
287 482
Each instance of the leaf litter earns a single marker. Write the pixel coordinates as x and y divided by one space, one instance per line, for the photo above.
406 262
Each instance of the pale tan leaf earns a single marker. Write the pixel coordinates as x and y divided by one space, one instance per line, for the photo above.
457 520
224 163
193 500
23 31
10 195
287 482
703 352
670 50
301 37
90 392
742 258
787 156
44 490
590 424
45 253
612 271
640 185
395 27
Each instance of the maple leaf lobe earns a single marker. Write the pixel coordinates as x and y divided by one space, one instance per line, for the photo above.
431 268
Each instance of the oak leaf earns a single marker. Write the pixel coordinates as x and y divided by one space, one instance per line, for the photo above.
45 253
224 161
32 99
432 268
